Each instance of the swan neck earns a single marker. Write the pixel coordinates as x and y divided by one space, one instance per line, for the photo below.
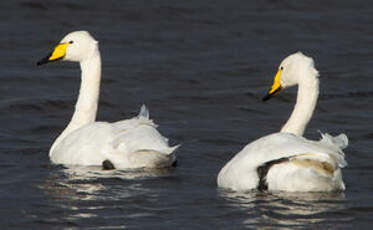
308 92
86 105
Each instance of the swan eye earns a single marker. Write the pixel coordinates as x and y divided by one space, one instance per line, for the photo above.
71 42
281 68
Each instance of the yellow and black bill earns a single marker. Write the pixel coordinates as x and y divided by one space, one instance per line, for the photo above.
57 54
276 87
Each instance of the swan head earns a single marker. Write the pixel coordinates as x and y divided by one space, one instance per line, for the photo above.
293 70
76 46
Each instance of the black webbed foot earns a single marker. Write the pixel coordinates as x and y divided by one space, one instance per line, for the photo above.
107 165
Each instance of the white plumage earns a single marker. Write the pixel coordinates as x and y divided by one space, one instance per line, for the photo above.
132 143
286 161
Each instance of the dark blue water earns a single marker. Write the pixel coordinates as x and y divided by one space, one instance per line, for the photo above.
201 67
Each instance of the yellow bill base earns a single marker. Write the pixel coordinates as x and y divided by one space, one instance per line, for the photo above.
59 52
276 83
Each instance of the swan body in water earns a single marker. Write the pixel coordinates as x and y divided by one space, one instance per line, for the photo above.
286 161
131 143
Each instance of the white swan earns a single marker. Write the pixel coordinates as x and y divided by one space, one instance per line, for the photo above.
132 143
286 161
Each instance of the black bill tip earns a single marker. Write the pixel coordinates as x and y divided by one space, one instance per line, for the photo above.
270 95
46 60
267 97
43 61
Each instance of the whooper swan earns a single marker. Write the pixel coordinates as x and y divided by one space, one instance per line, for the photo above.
131 143
287 161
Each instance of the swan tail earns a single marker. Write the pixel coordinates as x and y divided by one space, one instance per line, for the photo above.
341 141
139 140
336 145
144 113
169 150
152 158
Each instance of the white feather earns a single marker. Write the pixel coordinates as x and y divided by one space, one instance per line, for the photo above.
307 165
130 143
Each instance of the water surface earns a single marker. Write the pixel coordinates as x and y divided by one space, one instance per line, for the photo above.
201 67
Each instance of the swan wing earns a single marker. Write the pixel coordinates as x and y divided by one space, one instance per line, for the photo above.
87 145
130 143
241 173
140 133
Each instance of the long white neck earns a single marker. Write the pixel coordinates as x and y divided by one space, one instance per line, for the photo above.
308 92
86 105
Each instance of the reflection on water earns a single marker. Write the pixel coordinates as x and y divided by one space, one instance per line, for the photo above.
94 172
87 183
88 191
280 210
